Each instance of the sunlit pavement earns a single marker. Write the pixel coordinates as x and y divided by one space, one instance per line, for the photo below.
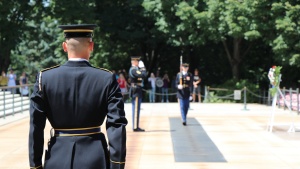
217 136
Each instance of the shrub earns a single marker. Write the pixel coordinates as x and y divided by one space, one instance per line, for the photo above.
252 93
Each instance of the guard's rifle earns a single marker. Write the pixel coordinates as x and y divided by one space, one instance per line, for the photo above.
180 73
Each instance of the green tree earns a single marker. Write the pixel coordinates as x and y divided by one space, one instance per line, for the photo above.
236 24
39 48
129 31
224 39
286 45
13 18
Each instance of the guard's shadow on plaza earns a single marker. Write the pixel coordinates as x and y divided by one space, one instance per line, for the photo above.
192 144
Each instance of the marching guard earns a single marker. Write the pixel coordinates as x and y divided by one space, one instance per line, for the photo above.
184 81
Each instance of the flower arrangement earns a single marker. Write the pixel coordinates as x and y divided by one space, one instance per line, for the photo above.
274 77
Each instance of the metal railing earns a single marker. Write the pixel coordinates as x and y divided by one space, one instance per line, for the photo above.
292 96
14 99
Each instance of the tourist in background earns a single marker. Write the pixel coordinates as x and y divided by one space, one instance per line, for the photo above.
196 85
23 82
3 80
122 83
165 88
12 81
152 80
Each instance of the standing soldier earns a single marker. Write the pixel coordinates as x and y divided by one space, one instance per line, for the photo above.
184 81
76 98
136 74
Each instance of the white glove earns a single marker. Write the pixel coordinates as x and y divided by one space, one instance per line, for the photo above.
141 64
191 98
179 86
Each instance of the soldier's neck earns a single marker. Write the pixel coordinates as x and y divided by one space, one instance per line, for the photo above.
74 56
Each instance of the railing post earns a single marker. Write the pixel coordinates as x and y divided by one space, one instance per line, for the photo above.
4 113
291 98
269 97
13 104
297 91
264 96
284 94
245 98
206 94
21 99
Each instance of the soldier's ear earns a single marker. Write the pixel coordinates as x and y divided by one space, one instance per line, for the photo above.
91 46
64 46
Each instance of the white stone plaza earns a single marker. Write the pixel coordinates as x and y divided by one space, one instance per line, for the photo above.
217 136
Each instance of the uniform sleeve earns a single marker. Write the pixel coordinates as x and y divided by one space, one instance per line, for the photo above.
115 126
137 73
191 83
177 79
37 125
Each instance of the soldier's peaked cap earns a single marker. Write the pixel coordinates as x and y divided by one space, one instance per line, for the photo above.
185 64
135 57
78 31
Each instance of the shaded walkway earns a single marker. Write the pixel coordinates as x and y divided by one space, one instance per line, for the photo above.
195 147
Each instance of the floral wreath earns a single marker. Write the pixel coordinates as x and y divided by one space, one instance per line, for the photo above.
274 77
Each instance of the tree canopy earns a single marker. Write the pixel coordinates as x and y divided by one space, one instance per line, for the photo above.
229 39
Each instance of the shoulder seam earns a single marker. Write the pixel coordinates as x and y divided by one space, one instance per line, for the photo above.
40 75
49 68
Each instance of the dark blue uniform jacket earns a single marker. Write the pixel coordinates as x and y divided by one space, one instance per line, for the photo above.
187 83
136 81
77 95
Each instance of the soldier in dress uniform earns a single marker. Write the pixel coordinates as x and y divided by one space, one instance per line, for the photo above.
184 81
136 74
76 98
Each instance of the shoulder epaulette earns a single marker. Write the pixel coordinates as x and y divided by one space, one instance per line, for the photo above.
43 70
36 167
106 70
40 76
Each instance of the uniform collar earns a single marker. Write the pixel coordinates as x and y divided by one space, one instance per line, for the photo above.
77 59
79 63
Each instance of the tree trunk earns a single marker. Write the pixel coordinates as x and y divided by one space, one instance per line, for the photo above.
150 58
235 58
4 60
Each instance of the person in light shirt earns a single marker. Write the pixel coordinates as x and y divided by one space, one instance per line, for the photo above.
152 80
